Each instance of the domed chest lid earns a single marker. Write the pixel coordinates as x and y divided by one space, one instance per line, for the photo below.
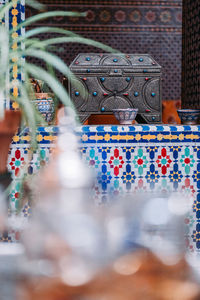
128 62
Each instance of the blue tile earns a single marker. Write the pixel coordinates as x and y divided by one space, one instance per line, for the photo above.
160 128
145 128
86 128
40 129
175 167
56 129
198 153
128 168
100 129
131 128
187 128
104 155
104 169
114 128
197 140
173 128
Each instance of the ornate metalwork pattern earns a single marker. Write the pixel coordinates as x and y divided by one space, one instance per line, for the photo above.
114 81
130 26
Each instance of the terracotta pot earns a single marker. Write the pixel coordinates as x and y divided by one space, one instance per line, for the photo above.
8 127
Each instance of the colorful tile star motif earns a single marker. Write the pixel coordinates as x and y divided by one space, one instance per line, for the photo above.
189 221
152 150
104 177
26 210
140 186
140 161
128 177
196 176
39 160
128 152
188 188
17 162
175 150
187 160
83 150
116 189
15 191
128 166
93 159
152 176
116 162
175 176
163 161
196 236
196 207
197 150
164 186
104 153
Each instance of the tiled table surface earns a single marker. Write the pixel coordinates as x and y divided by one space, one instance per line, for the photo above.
126 159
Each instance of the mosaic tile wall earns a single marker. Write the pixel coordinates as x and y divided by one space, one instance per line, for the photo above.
146 158
22 162
131 26
12 19
126 159
16 16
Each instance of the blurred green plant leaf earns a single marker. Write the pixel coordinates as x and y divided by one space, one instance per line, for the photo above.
55 85
46 15
56 63
77 39
45 29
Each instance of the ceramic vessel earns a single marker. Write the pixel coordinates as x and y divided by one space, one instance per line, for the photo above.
189 116
125 116
45 105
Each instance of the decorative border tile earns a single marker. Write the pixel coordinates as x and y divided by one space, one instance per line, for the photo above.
16 16
45 135
136 128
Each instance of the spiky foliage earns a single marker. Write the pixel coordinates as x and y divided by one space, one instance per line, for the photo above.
34 46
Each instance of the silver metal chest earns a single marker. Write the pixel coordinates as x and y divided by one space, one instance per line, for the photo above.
117 81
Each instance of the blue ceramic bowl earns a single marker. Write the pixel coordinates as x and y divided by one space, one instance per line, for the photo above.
125 116
45 104
189 116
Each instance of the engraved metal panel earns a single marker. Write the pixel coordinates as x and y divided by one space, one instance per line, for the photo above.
118 81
